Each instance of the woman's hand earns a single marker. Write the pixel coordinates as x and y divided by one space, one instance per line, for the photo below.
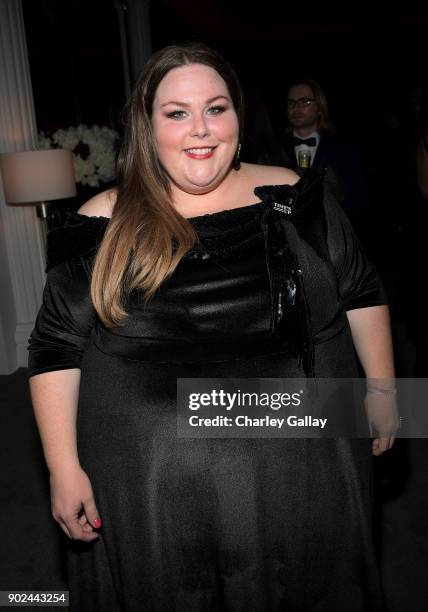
73 505
383 420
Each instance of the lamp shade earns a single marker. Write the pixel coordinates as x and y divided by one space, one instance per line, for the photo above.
36 176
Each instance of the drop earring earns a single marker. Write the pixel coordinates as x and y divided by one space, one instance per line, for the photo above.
236 160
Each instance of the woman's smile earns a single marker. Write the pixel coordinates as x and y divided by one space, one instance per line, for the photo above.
200 152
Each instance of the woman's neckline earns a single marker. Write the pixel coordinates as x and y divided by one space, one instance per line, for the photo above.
225 211
254 205
209 215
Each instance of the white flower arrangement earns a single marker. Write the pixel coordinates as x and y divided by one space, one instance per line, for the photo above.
93 150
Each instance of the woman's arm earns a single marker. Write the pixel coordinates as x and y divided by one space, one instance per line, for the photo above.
371 334
364 299
55 396
56 347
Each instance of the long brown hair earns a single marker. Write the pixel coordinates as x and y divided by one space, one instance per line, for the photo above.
146 237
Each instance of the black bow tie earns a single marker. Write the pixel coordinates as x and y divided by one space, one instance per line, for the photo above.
310 142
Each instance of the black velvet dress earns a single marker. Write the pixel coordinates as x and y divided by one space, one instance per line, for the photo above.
237 525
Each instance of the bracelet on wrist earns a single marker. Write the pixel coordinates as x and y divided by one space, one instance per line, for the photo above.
381 390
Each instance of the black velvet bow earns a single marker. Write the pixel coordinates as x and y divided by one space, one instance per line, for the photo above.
290 320
310 142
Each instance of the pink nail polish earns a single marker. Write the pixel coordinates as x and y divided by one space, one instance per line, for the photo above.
97 522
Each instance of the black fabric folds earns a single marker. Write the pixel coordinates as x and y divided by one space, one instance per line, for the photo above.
65 320
290 319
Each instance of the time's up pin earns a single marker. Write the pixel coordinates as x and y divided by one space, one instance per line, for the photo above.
282 208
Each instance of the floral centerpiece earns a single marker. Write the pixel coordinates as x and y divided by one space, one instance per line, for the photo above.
93 148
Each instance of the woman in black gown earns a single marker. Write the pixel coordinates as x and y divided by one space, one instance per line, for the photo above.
277 286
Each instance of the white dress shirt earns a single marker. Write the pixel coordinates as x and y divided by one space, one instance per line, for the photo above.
303 147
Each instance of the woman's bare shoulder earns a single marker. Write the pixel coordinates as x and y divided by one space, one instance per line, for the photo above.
100 205
271 175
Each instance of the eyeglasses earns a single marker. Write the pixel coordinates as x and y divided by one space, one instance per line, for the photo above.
300 103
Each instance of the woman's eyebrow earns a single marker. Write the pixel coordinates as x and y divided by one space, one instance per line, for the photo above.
184 103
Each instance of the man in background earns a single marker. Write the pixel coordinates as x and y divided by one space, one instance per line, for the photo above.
310 141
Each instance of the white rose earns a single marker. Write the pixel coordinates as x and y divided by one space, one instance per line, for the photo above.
43 141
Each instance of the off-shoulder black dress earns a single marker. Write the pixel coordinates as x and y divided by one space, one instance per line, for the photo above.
237 525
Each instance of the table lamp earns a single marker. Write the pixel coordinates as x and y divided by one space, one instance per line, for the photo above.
38 176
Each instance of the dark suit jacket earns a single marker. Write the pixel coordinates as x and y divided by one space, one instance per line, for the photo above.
351 182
